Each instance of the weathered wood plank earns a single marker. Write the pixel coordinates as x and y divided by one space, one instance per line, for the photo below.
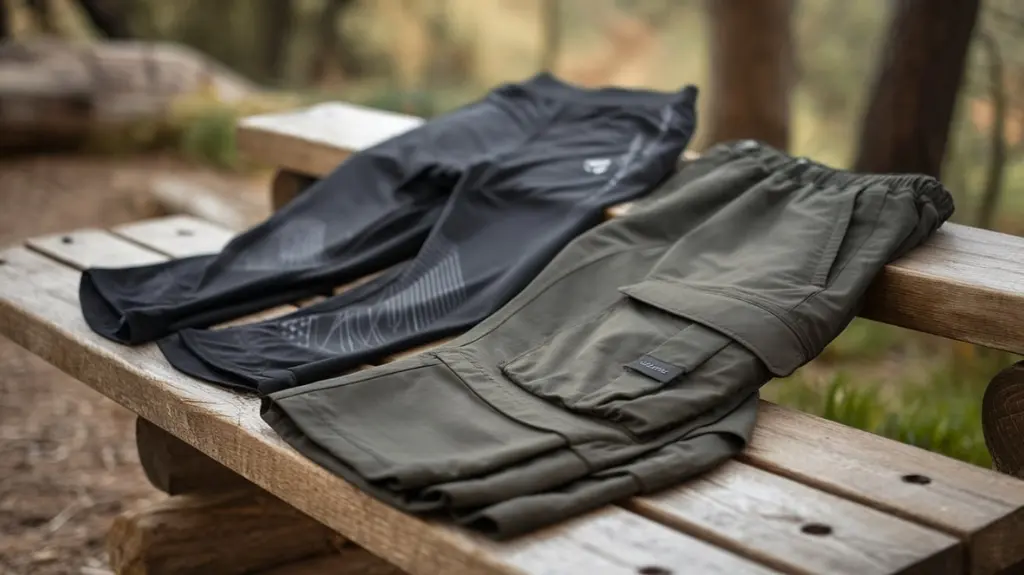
964 283
39 310
93 248
982 507
315 140
177 236
228 533
799 529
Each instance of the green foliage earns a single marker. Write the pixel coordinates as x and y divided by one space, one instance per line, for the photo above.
210 137
864 339
928 396
946 421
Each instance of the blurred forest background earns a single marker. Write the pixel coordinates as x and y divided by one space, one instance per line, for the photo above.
426 57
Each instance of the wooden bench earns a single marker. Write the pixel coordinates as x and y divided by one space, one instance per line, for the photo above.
807 496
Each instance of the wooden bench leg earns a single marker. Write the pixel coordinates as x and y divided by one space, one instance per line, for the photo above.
175 467
1002 417
225 533
286 186
217 522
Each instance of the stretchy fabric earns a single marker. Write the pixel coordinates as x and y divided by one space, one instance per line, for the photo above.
568 154
633 361
534 143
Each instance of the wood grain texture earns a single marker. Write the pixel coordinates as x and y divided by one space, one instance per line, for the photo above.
93 248
227 533
799 529
1002 413
982 507
39 310
964 283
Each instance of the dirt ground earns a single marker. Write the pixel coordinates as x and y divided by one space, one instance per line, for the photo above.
68 463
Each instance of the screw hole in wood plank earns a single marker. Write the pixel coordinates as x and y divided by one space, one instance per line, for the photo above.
817 529
67 240
916 479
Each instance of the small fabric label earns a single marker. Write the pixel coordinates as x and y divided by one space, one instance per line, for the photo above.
655 369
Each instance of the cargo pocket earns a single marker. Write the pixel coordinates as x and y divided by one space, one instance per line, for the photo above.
631 349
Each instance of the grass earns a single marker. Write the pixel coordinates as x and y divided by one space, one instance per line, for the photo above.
902 385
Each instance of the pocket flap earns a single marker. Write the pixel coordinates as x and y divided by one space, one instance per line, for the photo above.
758 329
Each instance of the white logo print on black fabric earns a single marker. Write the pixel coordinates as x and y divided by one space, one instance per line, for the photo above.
596 166
433 288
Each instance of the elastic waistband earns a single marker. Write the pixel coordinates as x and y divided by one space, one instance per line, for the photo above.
546 84
809 171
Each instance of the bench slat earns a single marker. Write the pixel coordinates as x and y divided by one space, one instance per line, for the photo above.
177 236
315 140
39 310
93 248
957 285
983 507
964 283
798 528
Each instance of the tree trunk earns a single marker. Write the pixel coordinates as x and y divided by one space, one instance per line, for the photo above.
908 117
5 21
277 18
751 70
109 17
335 55
551 21
997 146
42 14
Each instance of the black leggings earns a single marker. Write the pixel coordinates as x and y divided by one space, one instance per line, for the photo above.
479 200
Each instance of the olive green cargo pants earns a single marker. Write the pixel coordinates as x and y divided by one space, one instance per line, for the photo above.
633 361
